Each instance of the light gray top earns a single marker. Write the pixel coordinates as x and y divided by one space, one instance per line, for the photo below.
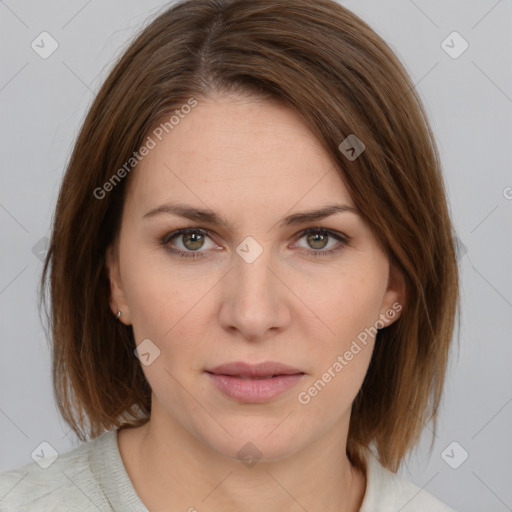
92 477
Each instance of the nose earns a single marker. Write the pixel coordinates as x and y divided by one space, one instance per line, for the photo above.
255 301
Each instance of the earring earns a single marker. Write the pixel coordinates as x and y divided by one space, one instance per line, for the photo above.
118 314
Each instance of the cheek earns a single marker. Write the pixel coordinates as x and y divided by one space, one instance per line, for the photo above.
343 307
342 342
171 312
163 300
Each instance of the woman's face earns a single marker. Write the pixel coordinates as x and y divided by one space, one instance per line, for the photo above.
253 287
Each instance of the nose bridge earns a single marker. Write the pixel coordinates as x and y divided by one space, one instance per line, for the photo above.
254 302
251 268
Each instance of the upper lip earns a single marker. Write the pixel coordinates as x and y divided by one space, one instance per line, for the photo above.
254 370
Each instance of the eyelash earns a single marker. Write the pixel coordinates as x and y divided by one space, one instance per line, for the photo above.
343 239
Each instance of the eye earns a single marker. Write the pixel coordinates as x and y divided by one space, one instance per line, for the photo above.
317 239
190 241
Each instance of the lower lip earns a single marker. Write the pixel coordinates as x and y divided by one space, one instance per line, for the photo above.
254 390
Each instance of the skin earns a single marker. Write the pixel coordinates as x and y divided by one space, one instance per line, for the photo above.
253 162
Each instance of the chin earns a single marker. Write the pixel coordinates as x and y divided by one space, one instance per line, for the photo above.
255 439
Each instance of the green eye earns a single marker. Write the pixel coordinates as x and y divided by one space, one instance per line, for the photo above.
195 240
318 239
192 240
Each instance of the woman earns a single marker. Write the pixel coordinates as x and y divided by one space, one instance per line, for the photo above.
252 274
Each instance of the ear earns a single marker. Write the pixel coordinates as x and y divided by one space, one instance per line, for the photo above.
395 297
117 296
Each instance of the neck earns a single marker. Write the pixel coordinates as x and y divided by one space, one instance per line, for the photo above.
170 467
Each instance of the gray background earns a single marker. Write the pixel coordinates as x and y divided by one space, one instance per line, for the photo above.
469 101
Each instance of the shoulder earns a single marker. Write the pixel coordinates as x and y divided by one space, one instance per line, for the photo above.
388 492
68 484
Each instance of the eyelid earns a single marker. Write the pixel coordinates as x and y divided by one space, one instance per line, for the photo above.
340 237
331 232
183 231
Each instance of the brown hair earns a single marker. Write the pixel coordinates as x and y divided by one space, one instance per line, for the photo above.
341 78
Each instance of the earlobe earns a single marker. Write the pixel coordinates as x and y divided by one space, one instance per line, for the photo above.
395 296
117 300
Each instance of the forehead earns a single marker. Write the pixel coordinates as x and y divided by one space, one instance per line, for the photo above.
232 149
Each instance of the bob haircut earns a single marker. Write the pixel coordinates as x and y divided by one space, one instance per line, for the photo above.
328 65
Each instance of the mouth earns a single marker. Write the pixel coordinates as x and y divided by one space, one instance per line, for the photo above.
254 377
258 383
264 370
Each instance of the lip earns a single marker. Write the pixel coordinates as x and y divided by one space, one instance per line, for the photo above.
254 370
254 383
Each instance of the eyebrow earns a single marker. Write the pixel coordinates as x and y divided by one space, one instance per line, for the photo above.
210 217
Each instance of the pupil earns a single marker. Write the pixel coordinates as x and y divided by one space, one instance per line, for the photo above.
193 241
317 237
